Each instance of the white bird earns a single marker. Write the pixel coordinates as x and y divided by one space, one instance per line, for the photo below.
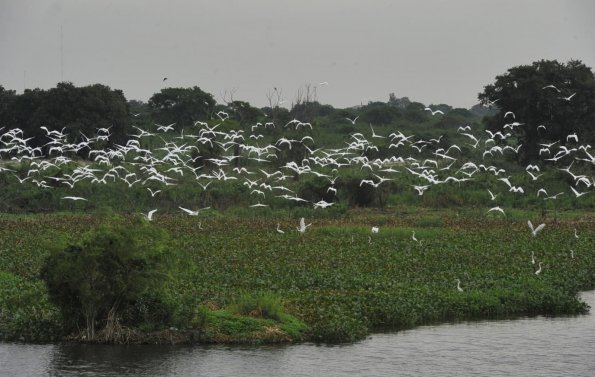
532 257
578 194
539 269
375 229
434 112
492 196
553 87
535 230
568 98
497 209
302 228
149 215
509 113
75 198
153 193
575 234
191 212
413 237
279 229
352 120
459 286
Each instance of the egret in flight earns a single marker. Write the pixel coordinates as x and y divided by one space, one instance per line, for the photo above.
535 230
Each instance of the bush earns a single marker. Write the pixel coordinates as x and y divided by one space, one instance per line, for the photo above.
96 280
264 305
25 312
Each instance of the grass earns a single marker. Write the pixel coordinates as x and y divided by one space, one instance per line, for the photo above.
238 280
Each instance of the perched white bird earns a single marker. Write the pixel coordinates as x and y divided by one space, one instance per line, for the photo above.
375 229
539 269
535 230
279 229
459 286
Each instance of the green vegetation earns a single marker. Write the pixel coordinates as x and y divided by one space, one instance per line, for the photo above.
110 269
239 280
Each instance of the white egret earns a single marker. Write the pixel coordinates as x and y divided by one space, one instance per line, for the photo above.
149 215
535 230
279 229
459 286
539 269
75 198
434 112
375 229
302 228
497 209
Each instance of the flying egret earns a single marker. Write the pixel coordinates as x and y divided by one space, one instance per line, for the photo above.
492 196
497 209
149 215
535 230
191 212
75 198
434 112
302 228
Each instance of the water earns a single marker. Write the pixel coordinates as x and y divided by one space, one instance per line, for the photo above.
539 346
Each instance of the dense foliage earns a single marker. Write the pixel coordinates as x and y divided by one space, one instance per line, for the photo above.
337 277
95 280
559 97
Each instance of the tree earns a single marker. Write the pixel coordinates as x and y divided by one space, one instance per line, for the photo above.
95 280
182 106
559 96
81 110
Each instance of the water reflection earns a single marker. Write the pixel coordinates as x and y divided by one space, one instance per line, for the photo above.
529 347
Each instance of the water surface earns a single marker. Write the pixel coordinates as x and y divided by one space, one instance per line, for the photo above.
538 346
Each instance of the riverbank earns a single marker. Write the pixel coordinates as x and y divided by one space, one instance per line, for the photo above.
338 280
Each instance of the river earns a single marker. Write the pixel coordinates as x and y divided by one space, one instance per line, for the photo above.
537 346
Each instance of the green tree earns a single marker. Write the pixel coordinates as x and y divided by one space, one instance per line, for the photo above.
95 280
182 106
81 110
559 96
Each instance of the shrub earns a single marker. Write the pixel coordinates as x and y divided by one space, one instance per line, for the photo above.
264 305
94 281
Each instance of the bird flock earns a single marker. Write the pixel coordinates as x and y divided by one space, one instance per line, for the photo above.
245 157
208 153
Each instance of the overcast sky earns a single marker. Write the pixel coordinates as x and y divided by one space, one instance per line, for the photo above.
431 51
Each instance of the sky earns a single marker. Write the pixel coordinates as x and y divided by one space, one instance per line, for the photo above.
432 51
